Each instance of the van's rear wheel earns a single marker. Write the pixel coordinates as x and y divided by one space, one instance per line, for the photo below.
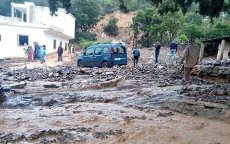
105 64
79 64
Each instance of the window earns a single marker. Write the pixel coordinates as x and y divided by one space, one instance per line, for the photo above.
89 51
0 37
22 39
119 50
98 51
55 44
105 50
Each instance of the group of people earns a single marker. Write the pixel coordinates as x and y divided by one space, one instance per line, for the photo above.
37 52
190 56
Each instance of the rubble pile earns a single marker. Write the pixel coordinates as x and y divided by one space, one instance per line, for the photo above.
219 69
50 73
215 93
128 72
72 135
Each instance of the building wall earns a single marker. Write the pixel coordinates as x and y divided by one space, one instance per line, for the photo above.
9 40
64 22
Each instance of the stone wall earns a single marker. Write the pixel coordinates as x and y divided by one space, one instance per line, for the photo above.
213 69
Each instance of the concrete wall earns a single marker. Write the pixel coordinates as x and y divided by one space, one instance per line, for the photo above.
9 39
64 22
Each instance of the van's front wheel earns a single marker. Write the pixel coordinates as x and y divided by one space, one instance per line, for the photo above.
105 64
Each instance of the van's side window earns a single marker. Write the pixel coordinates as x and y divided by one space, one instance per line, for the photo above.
89 51
119 50
105 50
98 51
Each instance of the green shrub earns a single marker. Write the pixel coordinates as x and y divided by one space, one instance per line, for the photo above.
85 36
183 39
111 28
85 44
197 42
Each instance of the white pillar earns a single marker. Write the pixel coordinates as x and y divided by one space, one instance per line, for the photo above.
201 52
221 50
28 14
22 17
12 12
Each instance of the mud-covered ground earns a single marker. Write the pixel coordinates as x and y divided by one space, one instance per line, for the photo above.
146 104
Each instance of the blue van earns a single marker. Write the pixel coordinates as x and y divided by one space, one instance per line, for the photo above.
103 55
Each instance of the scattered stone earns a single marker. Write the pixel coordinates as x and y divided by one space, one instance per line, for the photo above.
50 86
18 86
165 114
2 94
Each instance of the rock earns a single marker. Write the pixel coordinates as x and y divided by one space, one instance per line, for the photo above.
50 74
212 93
220 92
2 94
18 86
165 114
109 73
50 86
56 74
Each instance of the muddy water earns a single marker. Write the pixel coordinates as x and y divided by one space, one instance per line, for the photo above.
128 113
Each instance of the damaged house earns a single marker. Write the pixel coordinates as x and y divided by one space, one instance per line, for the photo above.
29 23
218 48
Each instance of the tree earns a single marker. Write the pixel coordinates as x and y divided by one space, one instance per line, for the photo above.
111 28
143 23
170 25
192 25
219 28
87 14
108 6
123 6
211 8
53 4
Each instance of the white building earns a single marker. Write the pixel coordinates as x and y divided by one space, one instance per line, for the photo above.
28 24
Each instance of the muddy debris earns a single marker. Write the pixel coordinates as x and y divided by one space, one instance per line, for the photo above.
72 135
2 94
18 85
166 114
50 86
214 93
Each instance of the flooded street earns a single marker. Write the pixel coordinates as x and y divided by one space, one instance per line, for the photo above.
132 111
146 104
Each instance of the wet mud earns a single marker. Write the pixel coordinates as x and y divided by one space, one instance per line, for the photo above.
146 104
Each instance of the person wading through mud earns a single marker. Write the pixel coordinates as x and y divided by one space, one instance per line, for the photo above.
157 51
136 55
173 50
42 54
60 52
190 59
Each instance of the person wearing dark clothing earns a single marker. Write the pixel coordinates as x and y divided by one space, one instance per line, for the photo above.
229 54
173 49
36 51
68 71
136 55
157 51
60 52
